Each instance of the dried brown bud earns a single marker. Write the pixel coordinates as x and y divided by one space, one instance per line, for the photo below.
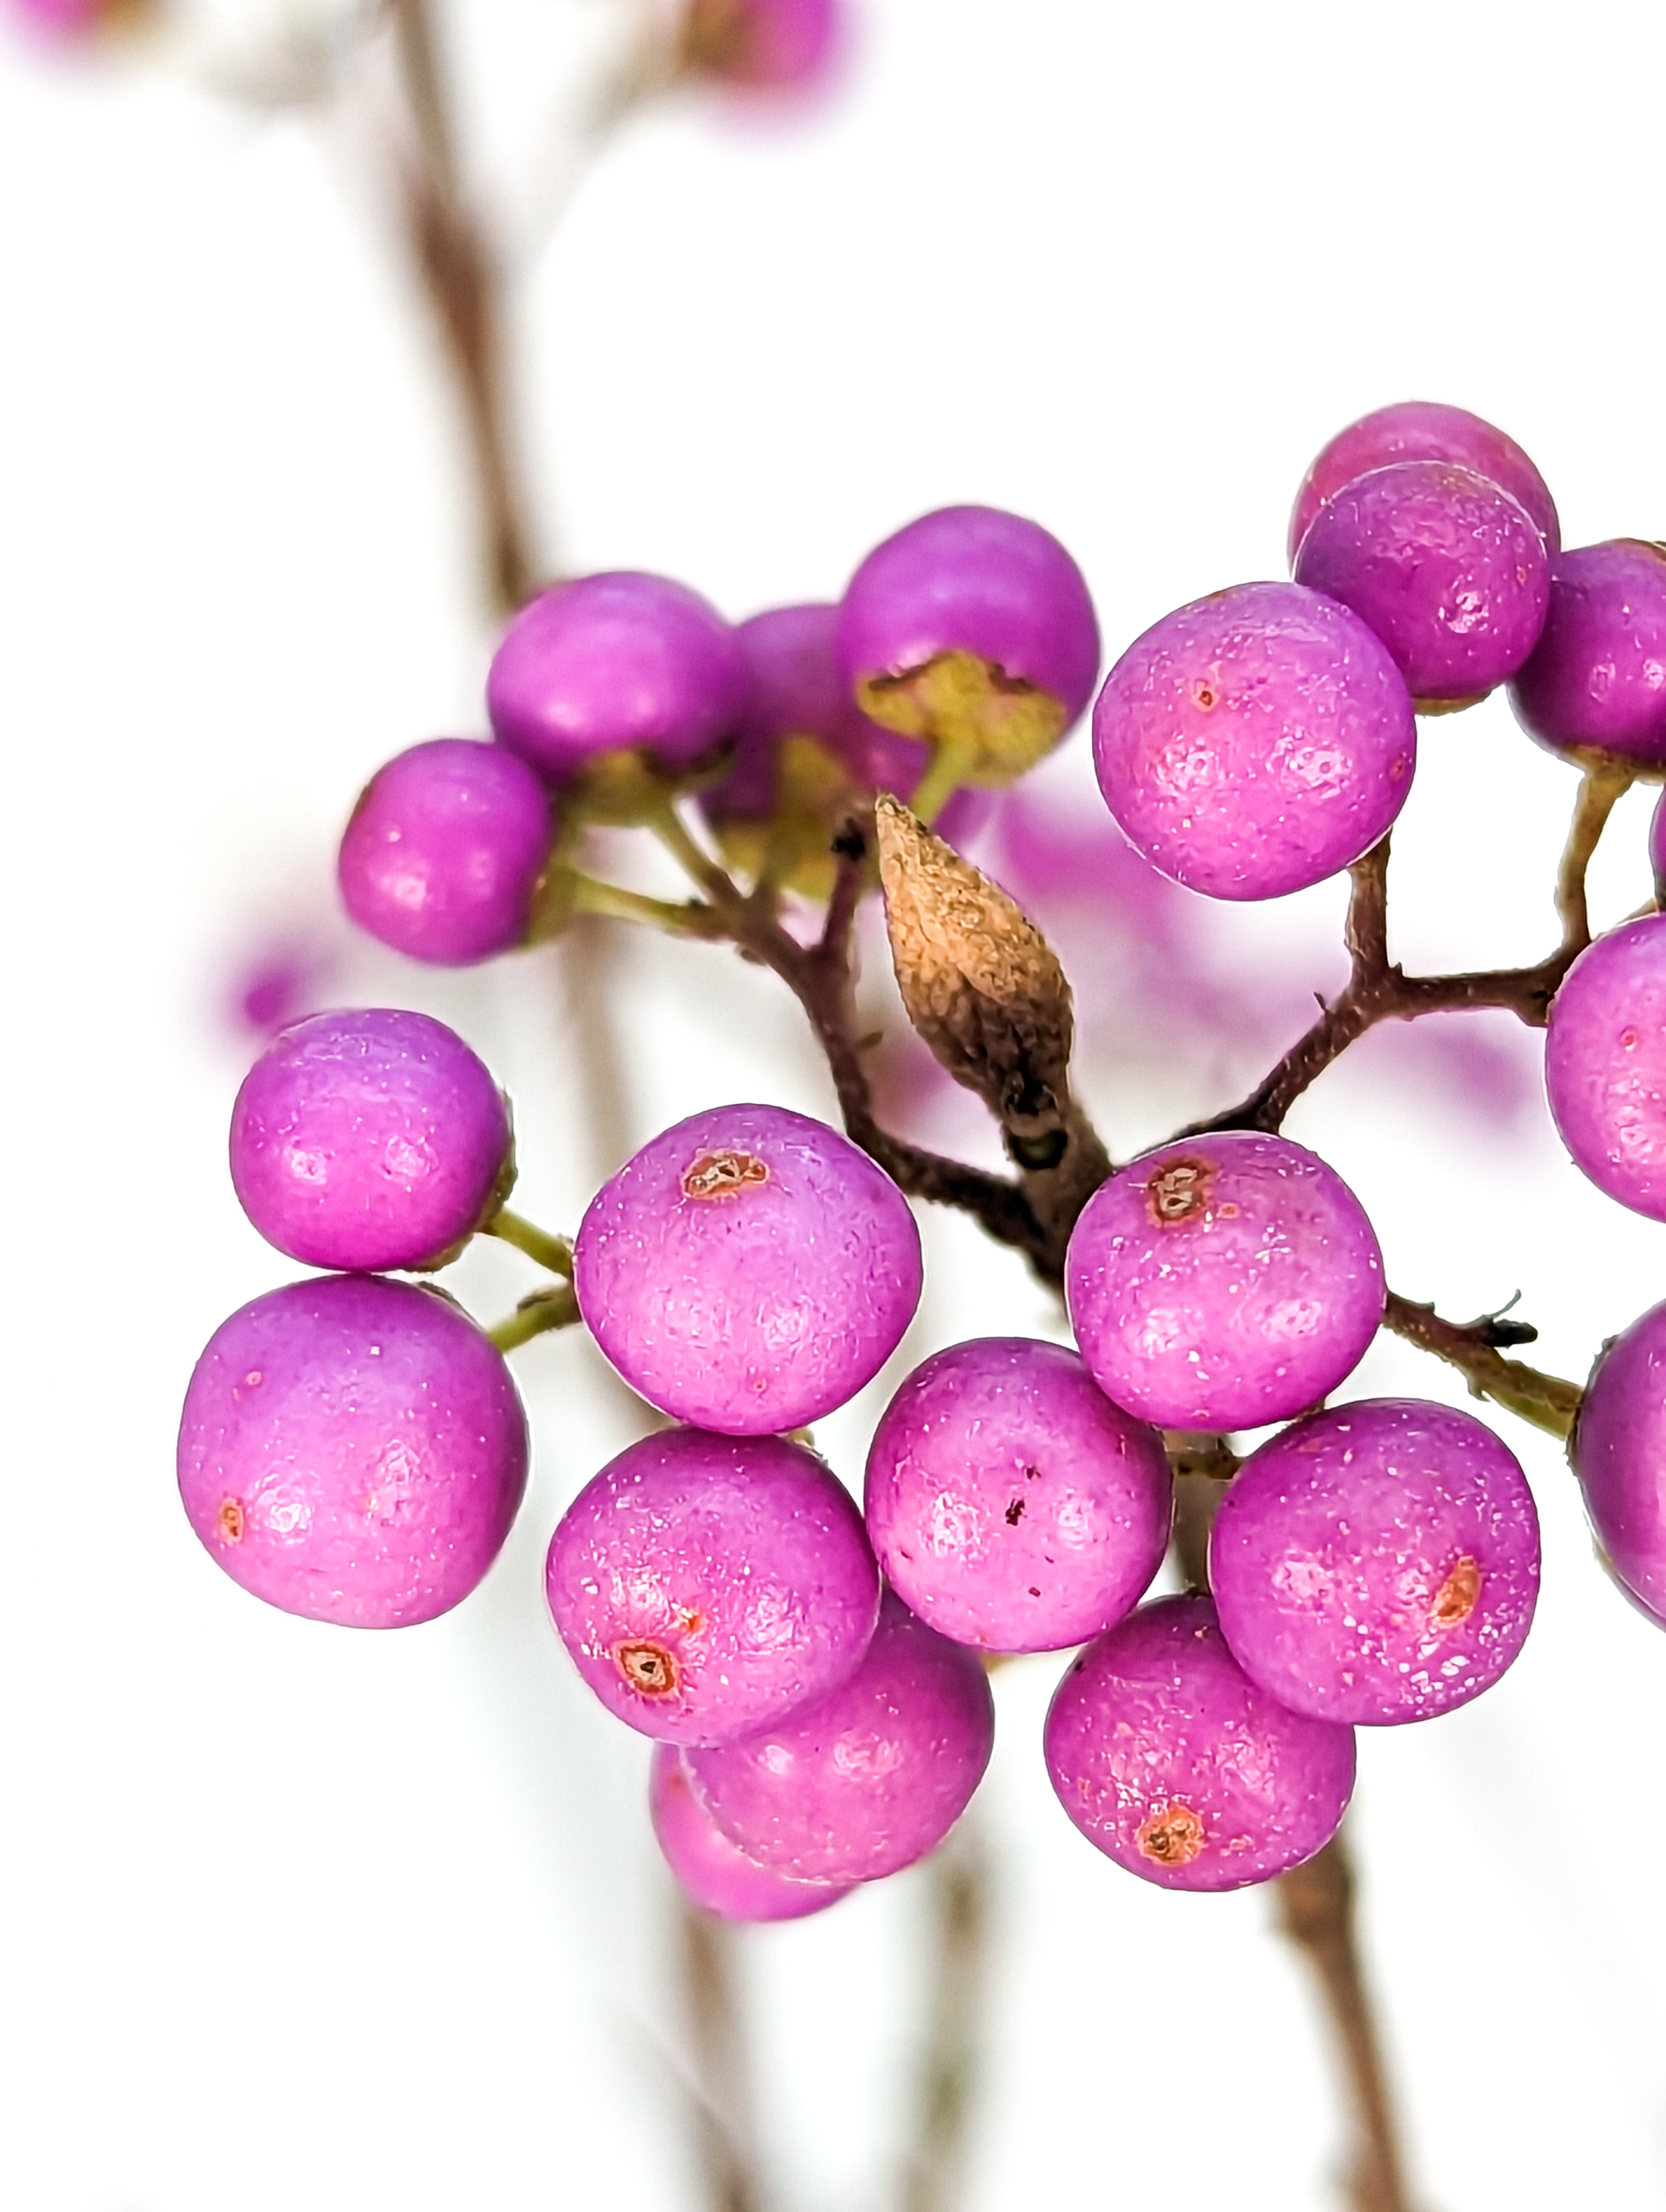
980 981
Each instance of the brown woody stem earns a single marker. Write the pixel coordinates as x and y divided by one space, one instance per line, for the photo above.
1473 1347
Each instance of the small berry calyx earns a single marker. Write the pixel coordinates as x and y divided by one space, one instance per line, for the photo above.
648 1668
723 1174
1173 1837
1179 1190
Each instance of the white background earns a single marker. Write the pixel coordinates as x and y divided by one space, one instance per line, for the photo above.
295 1917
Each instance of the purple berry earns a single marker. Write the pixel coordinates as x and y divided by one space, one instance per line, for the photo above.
749 1270
706 1585
1223 1282
444 852
616 662
1619 1453
870 1778
711 1870
1254 742
372 1140
1597 680
353 1451
1013 1506
1377 1563
1605 1064
975 626
1168 1759
1445 567
1423 430
762 45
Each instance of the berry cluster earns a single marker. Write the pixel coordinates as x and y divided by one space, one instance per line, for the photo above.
815 1678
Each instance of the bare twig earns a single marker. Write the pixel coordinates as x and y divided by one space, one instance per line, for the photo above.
958 1876
1473 1347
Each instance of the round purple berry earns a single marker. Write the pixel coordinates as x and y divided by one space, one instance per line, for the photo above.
1424 430
1377 1563
444 852
711 1870
1223 1282
1619 1454
614 663
1254 742
749 1270
706 1585
1013 1506
353 1451
869 1779
762 45
1168 1759
1605 1064
973 626
369 1139
1597 680
1445 567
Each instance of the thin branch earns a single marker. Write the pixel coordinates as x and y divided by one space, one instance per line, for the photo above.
555 1253
1473 1347
536 1317
1603 784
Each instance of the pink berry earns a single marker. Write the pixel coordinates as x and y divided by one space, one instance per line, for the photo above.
1223 1282
869 1779
1618 1449
1445 568
444 852
749 1270
353 1451
1168 1759
616 662
1605 1064
1377 1563
1013 1506
1423 430
706 1585
1597 680
762 45
1254 742
368 1139
711 1870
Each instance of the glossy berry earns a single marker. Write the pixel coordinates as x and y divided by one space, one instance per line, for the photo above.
761 45
353 1449
1013 1506
749 1270
1223 1282
705 1585
1423 430
444 852
615 663
1597 680
1445 567
1619 1454
1377 1563
1254 742
1168 1759
712 1871
1605 1064
869 1779
974 624
369 1139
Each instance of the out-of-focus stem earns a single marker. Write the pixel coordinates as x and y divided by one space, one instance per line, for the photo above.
719 2086
952 2054
460 273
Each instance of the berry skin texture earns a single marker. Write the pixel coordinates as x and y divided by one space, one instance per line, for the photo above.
972 618
1619 1454
718 1877
1605 1064
1597 680
1223 1282
1013 1506
615 662
444 852
749 1270
1424 430
707 1585
353 1451
869 1779
369 1139
1377 1563
1445 568
1168 1759
1254 742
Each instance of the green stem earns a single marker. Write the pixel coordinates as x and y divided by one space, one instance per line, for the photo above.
944 773
668 826
555 1253
591 895
533 1316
